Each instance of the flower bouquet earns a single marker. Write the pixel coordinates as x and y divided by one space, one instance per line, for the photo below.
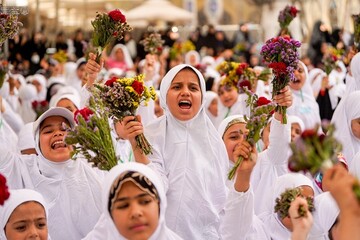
123 96
153 44
4 191
356 19
91 137
331 59
4 68
107 28
40 107
282 56
261 109
284 201
286 16
9 27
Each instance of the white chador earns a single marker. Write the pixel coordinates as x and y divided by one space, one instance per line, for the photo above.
304 104
105 229
192 160
71 189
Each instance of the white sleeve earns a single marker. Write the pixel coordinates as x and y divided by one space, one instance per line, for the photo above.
12 118
147 112
157 164
238 214
279 149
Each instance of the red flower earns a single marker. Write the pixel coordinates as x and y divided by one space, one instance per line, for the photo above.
117 16
334 58
115 33
286 37
245 83
110 82
85 113
262 101
138 87
275 40
308 133
4 192
239 71
279 67
293 11
44 103
34 104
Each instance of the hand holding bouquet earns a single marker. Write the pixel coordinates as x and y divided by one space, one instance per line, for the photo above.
123 96
91 136
283 203
282 56
261 110
107 28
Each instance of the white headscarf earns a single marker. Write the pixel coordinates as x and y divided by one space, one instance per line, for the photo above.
354 83
271 219
106 229
209 97
224 125
295 119
190 54
43 82
192 160
18 197
127 58
304 103
347 110
26 137
27 94
316 76
74 98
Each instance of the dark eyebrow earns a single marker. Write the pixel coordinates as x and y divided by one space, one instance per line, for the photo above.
127 198
45 126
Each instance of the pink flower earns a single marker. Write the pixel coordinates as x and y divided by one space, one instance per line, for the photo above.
117 16
4 192
138 87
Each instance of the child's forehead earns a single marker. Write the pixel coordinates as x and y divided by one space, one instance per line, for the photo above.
54 119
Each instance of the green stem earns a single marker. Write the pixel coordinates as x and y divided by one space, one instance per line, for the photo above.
232 172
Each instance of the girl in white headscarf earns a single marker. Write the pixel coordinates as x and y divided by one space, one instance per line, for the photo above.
24 216
192 58
211 107
347 125
353 82
26 143
324 215
240 218
72 189
70 101
133 197
304 105
40 82
188 153
119 58
27 94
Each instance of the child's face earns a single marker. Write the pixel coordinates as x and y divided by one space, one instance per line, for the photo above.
135 213
37 85
355 127
300 76
52 135
233 136
306 191
27 221
184 95
295 131
228 95
158 109
213 108
66 103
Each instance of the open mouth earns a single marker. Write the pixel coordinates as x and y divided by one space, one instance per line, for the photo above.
58 144
296 80
184 104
